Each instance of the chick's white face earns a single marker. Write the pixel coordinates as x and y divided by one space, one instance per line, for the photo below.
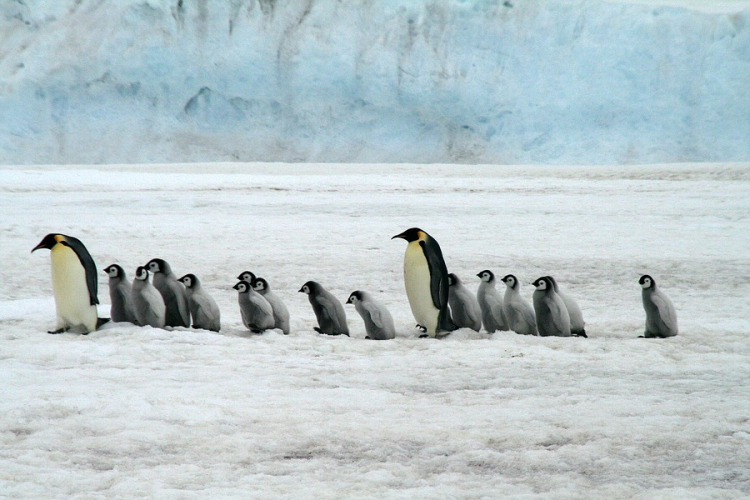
153 267
510 282
247 277
259 285
241 287
112 272
646 283
540 285
141 274
486 277
306 289
353 300
187 281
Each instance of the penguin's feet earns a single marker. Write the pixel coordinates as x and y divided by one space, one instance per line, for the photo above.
101 321
55 332
424 336
420 327
318 330
580 334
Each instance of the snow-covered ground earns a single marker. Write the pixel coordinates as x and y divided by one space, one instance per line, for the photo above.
422 81
131 412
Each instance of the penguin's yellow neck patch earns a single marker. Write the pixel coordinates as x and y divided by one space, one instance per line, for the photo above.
59 238
421 236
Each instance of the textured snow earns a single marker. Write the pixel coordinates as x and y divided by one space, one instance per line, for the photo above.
557 82
132 412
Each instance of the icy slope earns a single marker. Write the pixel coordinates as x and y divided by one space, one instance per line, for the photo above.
408 81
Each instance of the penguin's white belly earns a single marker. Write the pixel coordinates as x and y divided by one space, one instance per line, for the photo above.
418 291
72 300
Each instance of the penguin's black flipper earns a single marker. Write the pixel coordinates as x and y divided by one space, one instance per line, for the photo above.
438 272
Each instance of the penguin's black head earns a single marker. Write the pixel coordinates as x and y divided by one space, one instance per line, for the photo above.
260 284
412 234
246 276
242 287
453 279
141 273
158 266
646 281
355 297
509 280
310 287
542 283
487 276
50 241
114 271
189 280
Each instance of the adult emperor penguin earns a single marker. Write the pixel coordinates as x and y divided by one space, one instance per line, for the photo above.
518 311
377 318
426 282
327 308
74 283
280 312
552 318
148 303
661 318
465 310
491 303
203 308
175 298
120 295
257 313
577 325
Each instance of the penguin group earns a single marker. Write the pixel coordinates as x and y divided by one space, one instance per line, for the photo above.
439 300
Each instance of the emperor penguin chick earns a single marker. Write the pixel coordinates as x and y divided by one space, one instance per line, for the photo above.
491 303
280 312
120 295
518 311
327 308
577 325
248 276
661 317
148 303
552 317
257 313
203 308
74 283
178 311
377 318
426 282
465 309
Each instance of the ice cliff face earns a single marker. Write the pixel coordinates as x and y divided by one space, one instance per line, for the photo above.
87 81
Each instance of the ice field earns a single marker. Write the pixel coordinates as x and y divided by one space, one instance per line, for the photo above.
130 412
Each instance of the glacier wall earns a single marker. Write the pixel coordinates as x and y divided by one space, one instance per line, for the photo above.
471 81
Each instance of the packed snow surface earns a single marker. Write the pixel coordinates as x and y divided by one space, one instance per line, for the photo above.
424 81
130 412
